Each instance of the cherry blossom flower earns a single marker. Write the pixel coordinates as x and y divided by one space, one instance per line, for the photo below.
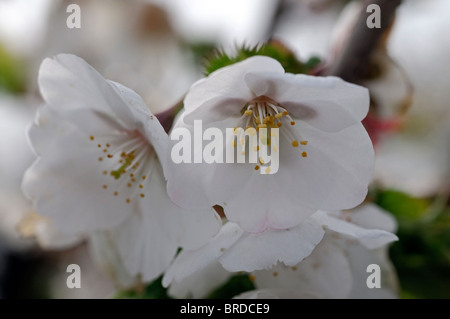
97 169
325 155
315 258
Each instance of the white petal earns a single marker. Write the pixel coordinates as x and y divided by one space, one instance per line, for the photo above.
196 226
80 95
189 184
200 284
324 273
149 240
264 250
372 216
260 203
216 110
336 172
42 132
73 89
327 103
66 185
189 262
143 119
228 83
370 238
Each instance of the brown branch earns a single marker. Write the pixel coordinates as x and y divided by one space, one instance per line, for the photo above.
353 60
278 12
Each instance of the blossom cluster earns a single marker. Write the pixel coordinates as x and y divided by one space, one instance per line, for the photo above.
104 173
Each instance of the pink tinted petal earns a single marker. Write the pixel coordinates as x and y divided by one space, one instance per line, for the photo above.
327 103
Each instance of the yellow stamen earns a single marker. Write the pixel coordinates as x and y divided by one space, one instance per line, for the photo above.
304 154
295 143
304 142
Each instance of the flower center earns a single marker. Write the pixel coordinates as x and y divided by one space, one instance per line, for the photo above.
127 161
263 112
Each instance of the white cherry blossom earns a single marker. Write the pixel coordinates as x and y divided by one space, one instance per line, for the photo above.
325 155
98 169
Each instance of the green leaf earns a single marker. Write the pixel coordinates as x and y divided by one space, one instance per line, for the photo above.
422 254
402 205
12 75
273 49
